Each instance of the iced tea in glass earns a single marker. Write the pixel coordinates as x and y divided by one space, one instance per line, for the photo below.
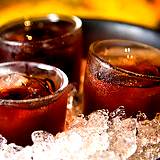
122 73
33 96
53 39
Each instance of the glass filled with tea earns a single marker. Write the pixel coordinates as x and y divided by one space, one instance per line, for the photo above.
33 96
53 39
122 73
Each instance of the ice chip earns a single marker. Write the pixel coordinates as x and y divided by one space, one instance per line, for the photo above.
3 141
98 119
42 136
122 135
43 145
8 151
141 116
106 155
69 145
148 139
25 154
119 112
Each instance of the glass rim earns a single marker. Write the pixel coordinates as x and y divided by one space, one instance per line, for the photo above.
53 17
54 96
92 52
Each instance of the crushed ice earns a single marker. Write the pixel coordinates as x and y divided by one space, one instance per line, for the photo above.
101 135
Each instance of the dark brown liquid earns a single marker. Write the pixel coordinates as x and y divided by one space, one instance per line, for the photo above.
45 42
18 121
111 89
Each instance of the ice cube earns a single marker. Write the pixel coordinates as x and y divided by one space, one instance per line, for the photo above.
42 136
106 155
3 141
19 86
12 80
148 139
8 151
122 137
25 154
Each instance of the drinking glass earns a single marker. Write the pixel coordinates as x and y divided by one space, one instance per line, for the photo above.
122 73
33 96
53 39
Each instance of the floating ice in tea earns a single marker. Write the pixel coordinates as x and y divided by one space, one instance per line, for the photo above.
15 86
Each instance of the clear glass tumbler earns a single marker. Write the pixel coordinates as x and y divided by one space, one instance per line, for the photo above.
122 73
52 39
33 96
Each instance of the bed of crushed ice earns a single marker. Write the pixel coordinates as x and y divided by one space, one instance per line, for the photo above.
99 136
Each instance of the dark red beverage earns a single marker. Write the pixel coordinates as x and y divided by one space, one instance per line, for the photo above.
32 99
54 40
116 78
